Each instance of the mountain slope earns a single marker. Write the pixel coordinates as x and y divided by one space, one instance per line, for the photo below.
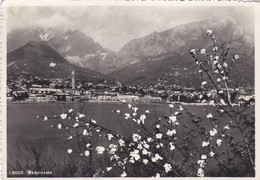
39 59
166 54
75 46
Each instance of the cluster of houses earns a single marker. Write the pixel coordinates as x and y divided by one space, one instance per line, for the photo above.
34 89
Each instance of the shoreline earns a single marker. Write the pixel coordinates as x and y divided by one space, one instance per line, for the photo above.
117 102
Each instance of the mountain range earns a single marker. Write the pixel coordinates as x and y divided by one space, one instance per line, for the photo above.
166 54
75 46
162 55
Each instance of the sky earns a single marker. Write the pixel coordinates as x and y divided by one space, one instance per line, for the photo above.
114 26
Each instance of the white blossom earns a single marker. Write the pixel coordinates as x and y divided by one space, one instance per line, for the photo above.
209 116
81 115
211 102
100 149
87 153
135 109
173 118
112 150
139 146
167 167
70 110
205 143
121 142
127 115
211 154
200 172
118 111
85 132
109 169
172 147
203 156
149 139
70 137
93 121
134 114
225 65
209 32
145 152
213 132
88 145
215 48
201 162
222 102
204 83
123 174
214 63
109 136
216 58
218 79
219 141
193 51
203 51
69 151
76 125
225 78
171 105
59 126
221 92
156 158
136 137
45 118
159 145
131 160
129 106
145 161
146 145
226 127
157 175
159 136
157 126
221 111
181 108
171 132
147 111
63 116
142 118
135 154
236 57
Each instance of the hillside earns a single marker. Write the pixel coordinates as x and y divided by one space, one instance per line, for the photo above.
166 54
75 46
39 59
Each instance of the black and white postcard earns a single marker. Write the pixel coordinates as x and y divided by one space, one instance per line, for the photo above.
129 89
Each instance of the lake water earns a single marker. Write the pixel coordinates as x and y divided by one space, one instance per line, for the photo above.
26 132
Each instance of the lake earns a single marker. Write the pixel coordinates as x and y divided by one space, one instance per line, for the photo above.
29 137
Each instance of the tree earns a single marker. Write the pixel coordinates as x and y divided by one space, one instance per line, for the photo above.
217 141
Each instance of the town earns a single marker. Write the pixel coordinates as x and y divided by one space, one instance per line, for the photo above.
26 88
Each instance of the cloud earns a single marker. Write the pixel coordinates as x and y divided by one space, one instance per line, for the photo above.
114 26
